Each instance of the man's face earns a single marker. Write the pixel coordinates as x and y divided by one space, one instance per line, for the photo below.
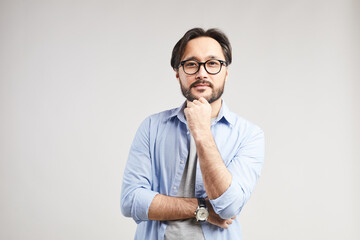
202 84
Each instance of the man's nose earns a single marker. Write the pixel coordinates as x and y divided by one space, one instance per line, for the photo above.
202 73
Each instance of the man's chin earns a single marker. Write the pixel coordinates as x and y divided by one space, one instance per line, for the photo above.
197 97
203 94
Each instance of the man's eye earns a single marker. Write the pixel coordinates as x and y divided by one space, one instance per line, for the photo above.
191 64
213 63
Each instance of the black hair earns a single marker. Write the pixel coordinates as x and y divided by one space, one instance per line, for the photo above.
214 33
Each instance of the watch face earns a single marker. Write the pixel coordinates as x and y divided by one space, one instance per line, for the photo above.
202 214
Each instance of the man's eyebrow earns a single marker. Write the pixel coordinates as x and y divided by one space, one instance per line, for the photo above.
197 59
190 58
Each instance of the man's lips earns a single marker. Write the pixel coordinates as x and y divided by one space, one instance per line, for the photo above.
202 85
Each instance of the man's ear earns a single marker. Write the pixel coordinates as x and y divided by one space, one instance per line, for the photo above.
177 74
227 74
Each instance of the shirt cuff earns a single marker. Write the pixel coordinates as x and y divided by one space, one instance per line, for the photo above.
143 201
229 204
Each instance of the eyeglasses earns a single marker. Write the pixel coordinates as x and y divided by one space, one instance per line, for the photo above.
212 66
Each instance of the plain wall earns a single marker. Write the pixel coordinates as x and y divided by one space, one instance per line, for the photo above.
78 77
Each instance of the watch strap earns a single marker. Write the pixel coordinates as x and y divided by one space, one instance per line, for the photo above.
201 202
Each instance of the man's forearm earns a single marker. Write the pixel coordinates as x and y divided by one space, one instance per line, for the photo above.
165 208
216 176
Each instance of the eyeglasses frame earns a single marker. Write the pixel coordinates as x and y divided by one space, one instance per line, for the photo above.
203 63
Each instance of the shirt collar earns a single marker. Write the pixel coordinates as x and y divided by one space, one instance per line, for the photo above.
179 113
224 114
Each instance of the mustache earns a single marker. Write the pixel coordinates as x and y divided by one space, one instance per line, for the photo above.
201 82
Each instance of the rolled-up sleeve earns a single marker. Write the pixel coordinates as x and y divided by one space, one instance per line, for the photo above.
136 193
245 169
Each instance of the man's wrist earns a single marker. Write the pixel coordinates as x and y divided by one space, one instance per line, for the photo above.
202 136
202 212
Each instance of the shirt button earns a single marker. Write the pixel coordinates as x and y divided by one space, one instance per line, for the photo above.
174 188
182 162
188 132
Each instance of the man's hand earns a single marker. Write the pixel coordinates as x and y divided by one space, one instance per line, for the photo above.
216 220
198 117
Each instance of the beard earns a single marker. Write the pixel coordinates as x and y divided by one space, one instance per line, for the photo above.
215 94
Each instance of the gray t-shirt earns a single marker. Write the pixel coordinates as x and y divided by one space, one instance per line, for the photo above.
187 228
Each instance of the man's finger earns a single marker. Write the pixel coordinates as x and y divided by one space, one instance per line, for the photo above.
197 103
203 100
189 104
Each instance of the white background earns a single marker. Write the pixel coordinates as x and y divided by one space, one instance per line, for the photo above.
78 77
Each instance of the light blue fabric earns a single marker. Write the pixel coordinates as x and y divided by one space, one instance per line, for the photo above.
157 159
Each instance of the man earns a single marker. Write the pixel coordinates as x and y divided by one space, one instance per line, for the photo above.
191 169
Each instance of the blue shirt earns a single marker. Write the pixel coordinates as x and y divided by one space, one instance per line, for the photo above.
157 159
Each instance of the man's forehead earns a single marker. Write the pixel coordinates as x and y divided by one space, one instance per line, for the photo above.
203 47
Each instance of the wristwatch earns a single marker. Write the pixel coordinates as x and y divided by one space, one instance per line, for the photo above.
201 213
